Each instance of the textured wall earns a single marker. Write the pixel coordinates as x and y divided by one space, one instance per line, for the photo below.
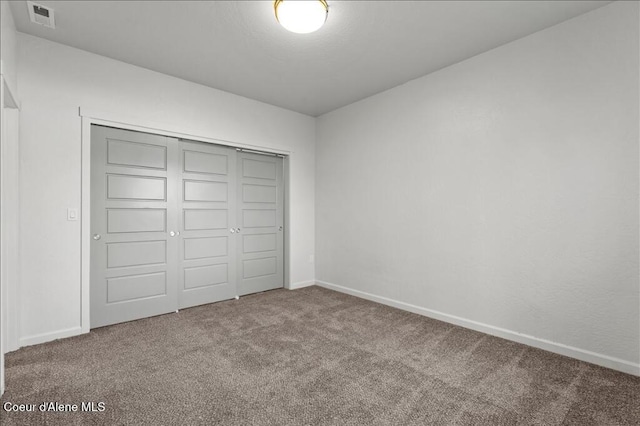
502 190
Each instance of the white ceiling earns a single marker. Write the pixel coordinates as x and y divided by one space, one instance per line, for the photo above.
364 48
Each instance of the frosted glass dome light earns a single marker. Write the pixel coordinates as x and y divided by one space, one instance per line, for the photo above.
301 16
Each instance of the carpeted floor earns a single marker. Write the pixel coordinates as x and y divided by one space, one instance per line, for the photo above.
310 357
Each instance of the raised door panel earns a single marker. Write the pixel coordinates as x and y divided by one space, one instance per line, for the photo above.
135 154
259 218
139 188
205 247
134 220
259 193
206 163
260 169
262 267
205 219
206 276
259 242
136 253
134 287
205 191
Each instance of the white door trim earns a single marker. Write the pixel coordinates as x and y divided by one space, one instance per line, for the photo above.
89 117
9 213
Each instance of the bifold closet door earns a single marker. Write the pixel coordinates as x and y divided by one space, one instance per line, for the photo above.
207 204
133 267
260 223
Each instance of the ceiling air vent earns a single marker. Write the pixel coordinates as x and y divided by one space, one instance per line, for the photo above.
40 14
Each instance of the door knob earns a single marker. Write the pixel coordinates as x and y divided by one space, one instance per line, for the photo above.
280 228
233 231
172 233
238 230
97 236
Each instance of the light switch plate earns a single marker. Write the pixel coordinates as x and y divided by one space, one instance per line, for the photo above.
72 214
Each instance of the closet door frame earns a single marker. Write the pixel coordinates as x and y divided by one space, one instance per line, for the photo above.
90 117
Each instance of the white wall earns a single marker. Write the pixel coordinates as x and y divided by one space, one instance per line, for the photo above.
500 193
55 80
8 47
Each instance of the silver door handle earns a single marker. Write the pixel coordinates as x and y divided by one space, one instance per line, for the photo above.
177 232
97 236
238 230
233 231
173 234
280 228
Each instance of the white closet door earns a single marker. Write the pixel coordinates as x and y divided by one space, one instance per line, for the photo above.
133 198
260 223
179 223
207 204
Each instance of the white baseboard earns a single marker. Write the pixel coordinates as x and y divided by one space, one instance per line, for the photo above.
301 284
48 337
559 348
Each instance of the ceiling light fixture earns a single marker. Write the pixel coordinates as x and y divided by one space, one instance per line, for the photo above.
301 16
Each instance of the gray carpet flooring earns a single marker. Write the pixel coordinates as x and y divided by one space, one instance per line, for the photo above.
310 357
